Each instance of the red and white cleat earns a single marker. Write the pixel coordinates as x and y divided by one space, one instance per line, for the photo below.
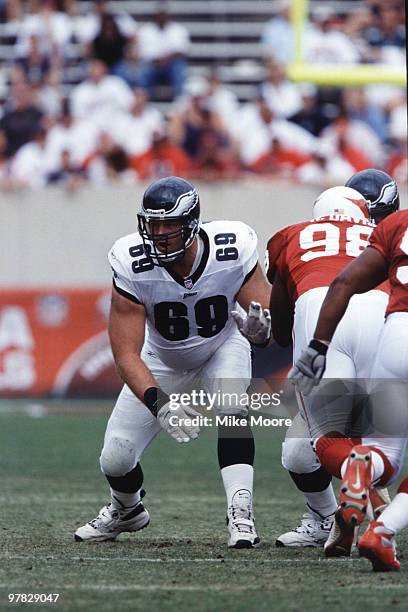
378 545
355 487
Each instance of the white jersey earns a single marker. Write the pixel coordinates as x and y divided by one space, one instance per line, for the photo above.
188 319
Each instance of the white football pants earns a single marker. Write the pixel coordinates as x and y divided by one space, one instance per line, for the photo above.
351 355
132 427
389 398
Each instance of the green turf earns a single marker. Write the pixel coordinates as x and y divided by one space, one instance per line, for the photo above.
51 484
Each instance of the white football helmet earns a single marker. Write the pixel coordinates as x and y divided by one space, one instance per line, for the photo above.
340 201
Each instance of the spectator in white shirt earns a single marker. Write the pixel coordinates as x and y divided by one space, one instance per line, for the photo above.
218 99
222 100
100 96
354 140
53 28
163 46
29 168
325 42
257 127
67 175
278 37
50 94
283 97
77 136
135 131
326 168
109 164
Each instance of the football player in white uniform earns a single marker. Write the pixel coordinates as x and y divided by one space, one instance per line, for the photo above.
180 279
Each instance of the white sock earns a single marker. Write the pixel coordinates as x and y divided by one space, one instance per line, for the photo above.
124 500
322 503
377 466
236 477
395 516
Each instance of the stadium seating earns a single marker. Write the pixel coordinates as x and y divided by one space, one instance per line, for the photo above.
224 33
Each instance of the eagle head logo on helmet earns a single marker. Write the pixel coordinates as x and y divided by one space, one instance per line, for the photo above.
380 191
175 201
340 201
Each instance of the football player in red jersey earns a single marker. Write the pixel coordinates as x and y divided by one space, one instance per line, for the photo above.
303 260
363 465
380 192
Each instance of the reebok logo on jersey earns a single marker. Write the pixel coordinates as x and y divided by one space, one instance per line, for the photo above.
186 295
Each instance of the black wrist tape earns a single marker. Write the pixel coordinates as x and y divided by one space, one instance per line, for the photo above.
318 346
154 399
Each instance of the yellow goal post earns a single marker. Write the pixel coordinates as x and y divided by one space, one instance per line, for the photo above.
335 74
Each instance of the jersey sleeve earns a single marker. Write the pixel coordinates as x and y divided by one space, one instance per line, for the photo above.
378 239
249 252
121 280
273 251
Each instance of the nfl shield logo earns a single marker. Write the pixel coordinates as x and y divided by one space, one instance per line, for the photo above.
188 283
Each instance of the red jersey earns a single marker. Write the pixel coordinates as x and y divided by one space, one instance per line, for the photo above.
390 238
311 254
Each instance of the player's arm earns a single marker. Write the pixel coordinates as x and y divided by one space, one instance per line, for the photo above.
361 275
254 297
126 331
282 313
256 289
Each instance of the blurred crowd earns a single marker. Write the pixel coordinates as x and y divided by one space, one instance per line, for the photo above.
108 127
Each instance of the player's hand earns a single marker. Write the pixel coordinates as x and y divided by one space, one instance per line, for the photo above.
310 367
176 422
256 325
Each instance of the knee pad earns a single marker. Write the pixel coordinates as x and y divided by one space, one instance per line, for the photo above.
298 456
312 482
118 457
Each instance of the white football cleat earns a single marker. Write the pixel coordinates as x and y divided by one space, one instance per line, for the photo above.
240 521
110 522
312 532
341 538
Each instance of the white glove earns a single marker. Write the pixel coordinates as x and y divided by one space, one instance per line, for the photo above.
173 421
256 325
310 367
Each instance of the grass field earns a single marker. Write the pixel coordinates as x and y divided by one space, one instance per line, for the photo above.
51 484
